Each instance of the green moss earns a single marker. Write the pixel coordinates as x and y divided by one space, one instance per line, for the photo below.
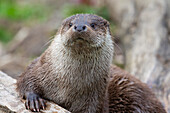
5 35
77 9
120 65
11 10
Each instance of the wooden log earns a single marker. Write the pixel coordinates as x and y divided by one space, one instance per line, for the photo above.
10 101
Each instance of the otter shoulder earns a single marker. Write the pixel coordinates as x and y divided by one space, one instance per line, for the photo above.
127 93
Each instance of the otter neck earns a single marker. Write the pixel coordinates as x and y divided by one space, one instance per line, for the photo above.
88 69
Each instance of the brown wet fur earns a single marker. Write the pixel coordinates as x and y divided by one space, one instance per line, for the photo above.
113 91
129 95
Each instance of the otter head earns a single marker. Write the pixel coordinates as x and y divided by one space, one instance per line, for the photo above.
84 31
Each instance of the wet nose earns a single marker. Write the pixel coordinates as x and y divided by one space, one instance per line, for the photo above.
80 28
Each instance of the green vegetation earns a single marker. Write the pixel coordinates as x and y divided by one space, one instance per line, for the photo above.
120 65
11 10
25 13
5 35
75 9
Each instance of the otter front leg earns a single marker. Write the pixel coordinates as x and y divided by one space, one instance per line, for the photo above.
34 102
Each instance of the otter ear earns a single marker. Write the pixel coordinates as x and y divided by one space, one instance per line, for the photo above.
106 23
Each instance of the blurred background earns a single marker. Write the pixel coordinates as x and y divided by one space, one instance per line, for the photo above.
140 29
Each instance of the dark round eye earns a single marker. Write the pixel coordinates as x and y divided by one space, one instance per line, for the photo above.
70 24
92 25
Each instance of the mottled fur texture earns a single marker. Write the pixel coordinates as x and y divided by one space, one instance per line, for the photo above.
74 73
129 95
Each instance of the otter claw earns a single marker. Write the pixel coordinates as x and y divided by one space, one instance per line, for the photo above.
34 102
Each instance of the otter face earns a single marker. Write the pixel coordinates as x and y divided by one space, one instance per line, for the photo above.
84 30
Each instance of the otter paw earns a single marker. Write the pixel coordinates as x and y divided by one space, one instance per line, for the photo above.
34 102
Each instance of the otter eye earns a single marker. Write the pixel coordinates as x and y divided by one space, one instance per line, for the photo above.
92 25
70 24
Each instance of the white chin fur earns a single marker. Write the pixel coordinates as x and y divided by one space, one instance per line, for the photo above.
60 40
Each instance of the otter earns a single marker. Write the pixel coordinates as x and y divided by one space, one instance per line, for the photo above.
76 73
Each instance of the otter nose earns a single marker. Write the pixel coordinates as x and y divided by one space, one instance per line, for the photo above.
80 28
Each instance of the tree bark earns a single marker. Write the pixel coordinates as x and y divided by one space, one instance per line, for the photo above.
10 101
144 28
